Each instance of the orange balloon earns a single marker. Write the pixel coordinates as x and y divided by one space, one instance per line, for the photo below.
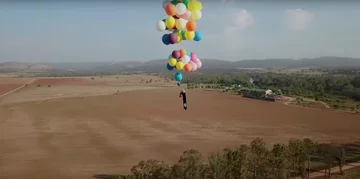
182 52
187 67
170 9
191 26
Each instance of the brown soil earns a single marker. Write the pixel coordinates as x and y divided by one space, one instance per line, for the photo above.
61 81
8 84
14 80
81 137
8 87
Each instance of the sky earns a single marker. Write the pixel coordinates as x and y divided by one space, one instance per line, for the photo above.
84 31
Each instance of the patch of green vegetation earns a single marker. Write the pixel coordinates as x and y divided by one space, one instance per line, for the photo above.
296 158
339 92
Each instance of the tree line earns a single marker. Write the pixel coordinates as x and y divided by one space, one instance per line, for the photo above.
305 85
329 88
254 161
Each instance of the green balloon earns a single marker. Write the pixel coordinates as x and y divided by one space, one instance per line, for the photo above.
186 2
174 2
182 32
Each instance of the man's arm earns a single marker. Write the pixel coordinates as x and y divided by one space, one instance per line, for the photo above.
180 95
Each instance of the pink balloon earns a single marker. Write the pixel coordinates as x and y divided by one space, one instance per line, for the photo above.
198 63
193 57
186 15
193 65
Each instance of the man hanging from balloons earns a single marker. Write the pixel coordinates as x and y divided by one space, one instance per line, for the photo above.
181 23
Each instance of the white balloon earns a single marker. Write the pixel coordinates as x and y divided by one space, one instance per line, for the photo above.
181 24
165 3
160 26
180 8
185 59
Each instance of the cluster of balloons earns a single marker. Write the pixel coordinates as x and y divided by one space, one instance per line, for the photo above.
181 21
183 60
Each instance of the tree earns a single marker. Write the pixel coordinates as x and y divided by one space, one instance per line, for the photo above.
150 169
258 159
255 162
356 82
297 157
190 166
326 153
310 149
278 162
340 158
216 166
235 163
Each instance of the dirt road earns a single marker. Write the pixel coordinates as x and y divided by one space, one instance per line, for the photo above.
334 170
18 88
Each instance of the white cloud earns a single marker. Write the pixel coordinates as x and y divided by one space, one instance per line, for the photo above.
224 30
229 35
298 19
240 20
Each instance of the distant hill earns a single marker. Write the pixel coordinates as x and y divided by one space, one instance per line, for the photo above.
208 65
218 65
17 66
321 62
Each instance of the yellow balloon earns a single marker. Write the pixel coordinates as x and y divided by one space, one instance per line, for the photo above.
189 35
192 5
180 65
172 62
179 39
198 5
195 15
170 22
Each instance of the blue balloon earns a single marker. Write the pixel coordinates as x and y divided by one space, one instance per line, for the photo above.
198 36
165 39
170 57
169 67
188 53
178 76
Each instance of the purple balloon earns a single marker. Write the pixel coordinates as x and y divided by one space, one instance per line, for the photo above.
176 54
173 38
